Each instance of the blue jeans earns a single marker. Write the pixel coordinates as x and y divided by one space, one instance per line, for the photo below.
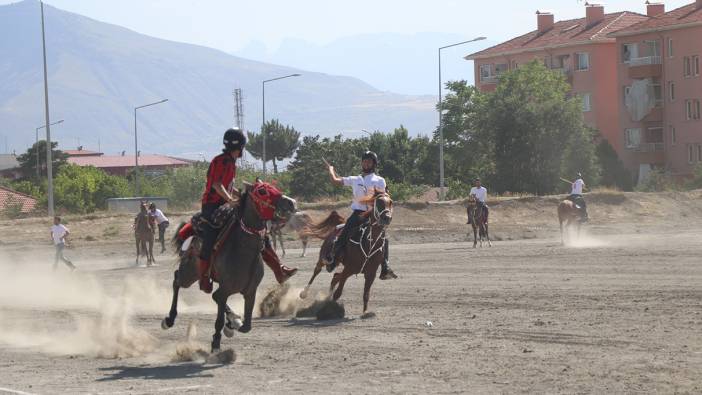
59 256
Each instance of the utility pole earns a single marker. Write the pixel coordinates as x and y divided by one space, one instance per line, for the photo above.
238 109
49 170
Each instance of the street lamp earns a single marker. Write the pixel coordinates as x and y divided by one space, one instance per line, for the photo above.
36 143
136 145
263 124
441 115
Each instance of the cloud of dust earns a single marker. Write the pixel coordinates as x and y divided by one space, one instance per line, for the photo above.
586 240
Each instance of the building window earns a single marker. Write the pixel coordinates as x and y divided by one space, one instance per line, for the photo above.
673 138
582 61
690 153
587 102
627 90
670 47
699 153
687 66
485 72
695 66
632 137
629 51
501 69
671 91
692 109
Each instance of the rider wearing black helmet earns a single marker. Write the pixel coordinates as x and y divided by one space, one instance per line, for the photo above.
362 185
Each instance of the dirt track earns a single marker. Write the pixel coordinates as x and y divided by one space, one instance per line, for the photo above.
620 312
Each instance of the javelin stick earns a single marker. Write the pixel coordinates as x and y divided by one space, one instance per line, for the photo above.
325 162
564 180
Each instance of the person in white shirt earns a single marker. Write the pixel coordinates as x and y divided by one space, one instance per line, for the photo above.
59 232
161 222
576 196
362 185
480 194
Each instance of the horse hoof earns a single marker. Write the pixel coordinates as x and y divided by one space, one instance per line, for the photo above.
214 350
166 323
304 293
245 329
228 332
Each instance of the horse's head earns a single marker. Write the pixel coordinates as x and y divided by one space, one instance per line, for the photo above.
381 212
472 201
269 202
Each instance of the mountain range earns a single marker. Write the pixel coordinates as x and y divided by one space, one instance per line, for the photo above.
98 73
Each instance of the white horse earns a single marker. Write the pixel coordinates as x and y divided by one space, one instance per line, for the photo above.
296 223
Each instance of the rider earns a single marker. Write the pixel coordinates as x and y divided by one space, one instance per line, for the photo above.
479 192
362 186
576 196
161 222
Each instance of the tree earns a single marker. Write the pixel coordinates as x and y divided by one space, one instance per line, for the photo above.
614 174
535 131
28 160
281 142
82 189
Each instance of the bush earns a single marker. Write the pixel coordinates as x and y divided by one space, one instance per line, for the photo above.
457 189
657 181
402 192
84 189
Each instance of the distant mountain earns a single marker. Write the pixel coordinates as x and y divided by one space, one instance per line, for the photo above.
405 63
99 72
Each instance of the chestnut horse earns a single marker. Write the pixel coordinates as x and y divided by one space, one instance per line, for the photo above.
144 235
364 251
569 215
477 220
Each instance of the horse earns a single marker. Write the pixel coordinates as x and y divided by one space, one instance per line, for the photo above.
297 223
476 218
144 236
568 214
364 251
326 231
236 264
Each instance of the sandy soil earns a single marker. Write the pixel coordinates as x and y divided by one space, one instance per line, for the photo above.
617 312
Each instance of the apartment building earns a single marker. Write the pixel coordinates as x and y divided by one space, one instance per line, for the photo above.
580 49
660 89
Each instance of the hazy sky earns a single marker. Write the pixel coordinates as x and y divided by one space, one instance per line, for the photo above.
231 24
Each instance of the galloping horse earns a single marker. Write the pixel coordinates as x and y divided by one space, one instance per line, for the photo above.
144 235
236 264
569 215
297 223
364 251
477 220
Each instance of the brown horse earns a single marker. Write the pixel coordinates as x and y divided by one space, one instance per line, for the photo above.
144 235
364 251
237 263
569 215
477 220
297 223
325 230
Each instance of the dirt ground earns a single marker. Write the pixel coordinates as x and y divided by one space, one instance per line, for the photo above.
619 311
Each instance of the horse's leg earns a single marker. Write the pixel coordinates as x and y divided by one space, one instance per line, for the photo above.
282 246
475 235
317 270
221 301
249 301
343 276
137 251
170 320
560 223
304 247
487 235
233 320
370 277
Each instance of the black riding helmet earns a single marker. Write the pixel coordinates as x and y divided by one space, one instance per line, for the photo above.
370 155
234 139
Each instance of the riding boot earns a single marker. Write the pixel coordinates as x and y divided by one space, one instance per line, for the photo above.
205 280
385 272
282 273
336 251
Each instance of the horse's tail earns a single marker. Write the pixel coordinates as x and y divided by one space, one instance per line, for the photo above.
323 229
176 241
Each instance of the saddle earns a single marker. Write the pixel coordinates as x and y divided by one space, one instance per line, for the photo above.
224 219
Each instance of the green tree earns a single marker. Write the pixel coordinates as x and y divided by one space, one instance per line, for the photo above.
28 160
281 142
614 174
534 129
82 189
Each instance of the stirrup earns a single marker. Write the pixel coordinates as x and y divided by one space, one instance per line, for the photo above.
388 275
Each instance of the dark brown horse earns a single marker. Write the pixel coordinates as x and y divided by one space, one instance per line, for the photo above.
237 264
568 215
144 235
476 217
364 251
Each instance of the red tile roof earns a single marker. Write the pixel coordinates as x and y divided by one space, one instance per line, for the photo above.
564 33
82 152
678 18
127 161
8 198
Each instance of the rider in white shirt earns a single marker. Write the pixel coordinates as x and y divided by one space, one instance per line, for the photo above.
362 186
576 196
480 193
161 222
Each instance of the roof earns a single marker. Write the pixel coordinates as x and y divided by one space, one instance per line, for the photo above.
9 197
8 161
127 161
82 152
675 19
564 33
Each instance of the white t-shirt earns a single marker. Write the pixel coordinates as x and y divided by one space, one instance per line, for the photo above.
480 193
58 232
364 186
577 187
158 214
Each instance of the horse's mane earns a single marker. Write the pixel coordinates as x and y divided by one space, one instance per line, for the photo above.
323 229
369 200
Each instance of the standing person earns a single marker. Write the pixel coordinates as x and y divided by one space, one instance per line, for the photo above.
480 193
362 185
59 233
161 222
576 196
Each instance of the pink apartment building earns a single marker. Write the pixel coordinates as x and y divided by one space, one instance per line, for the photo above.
660 89
582 50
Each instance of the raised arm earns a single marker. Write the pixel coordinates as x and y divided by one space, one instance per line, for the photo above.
335 179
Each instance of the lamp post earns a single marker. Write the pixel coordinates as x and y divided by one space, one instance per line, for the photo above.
36 143
441 115
263 124
136 145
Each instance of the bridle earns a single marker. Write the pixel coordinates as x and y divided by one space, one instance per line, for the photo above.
377 243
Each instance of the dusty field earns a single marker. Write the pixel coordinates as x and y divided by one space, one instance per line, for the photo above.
619 312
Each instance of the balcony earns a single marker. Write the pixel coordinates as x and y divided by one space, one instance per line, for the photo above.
489 79
565 72
647 147
645 61
652 153
656 113
645 67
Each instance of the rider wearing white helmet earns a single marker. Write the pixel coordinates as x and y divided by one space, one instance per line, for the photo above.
576 196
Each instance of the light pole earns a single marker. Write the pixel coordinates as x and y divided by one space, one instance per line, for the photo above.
441 115
49 170
136 145
36 143
263 124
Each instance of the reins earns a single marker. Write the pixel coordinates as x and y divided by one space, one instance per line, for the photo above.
372 250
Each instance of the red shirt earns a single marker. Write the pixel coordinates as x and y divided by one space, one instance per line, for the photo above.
222 169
